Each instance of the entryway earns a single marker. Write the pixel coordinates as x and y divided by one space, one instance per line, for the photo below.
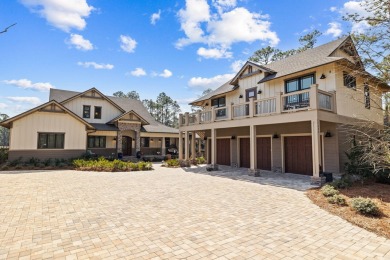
127 145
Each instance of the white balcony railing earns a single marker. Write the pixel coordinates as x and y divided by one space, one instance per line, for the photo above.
307 99
265 106
241 110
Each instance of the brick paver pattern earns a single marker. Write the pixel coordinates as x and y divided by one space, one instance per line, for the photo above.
169 214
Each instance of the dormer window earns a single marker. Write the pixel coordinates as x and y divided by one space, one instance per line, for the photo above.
86 111
250 69
349 80
98 113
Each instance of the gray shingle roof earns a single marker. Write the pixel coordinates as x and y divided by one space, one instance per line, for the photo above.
310 58
104 127
126 104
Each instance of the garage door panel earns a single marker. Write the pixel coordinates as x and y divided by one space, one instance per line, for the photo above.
223 151
298 155
245 152
263 151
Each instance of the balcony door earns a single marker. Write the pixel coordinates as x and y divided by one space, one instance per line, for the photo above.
248 94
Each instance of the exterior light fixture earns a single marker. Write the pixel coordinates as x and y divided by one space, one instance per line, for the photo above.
323 76
328 134
275 136
233 137
259 92
240 96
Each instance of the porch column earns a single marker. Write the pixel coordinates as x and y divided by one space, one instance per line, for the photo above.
180 145
213 147
199 145
137 140
163 152
186 145
193 140
119 142
252 149
315 140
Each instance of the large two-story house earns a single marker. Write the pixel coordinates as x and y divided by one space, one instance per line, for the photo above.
72 123
286 116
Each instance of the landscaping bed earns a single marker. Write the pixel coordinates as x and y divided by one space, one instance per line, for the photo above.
378 193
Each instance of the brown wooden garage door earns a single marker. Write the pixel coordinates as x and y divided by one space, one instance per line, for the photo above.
223 151
245 158
263 151
298 155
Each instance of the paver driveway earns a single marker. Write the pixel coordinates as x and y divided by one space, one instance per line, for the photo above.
168 213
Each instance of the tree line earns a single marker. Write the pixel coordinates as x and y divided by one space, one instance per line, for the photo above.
164 109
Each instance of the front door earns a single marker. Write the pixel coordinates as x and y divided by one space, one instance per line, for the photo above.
126 145
248 94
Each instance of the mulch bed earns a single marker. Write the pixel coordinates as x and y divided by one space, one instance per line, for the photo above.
379 193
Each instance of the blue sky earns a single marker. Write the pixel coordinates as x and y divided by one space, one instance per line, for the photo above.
176 47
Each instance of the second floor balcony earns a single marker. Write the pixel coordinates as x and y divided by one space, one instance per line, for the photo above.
304 100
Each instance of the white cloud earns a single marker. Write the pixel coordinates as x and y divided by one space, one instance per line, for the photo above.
214 53
356 7
3 105
224 28
333 8
30 100
155 17
138 72
166 74
80 43
128 44
98 66
27 84
213 82
63 14
334 29
237 65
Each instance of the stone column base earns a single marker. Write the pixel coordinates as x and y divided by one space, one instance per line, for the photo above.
212 167
317 180
254 172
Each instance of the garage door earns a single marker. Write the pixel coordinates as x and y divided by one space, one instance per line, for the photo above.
263 151
223 151
245 153
298 155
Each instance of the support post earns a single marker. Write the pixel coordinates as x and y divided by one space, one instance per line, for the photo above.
186 145
251 106
193 139
213 147
315 140
163 148
279 102
313 96
180 145
252 150
187 118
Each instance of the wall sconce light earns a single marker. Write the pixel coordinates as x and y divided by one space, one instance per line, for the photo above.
151 139
328 134
323 76
233 137
259 92
205 138
114 139
207 104
240 96
275 136
159 140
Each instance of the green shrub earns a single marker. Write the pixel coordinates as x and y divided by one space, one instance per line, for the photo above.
365 206
172 163
200 160
329 191
383 177
4 168
341 183
185 163
337 199
15 162
102 164
33 161
3 155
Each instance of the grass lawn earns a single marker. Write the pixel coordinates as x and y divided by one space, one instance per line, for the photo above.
379 193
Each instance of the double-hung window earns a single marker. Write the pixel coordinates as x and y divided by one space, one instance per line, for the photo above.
86 111
349 80
218 103
300 100
96 142
98 113
51 140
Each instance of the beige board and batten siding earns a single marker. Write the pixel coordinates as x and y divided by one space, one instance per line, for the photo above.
350 102
24 131
109 111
